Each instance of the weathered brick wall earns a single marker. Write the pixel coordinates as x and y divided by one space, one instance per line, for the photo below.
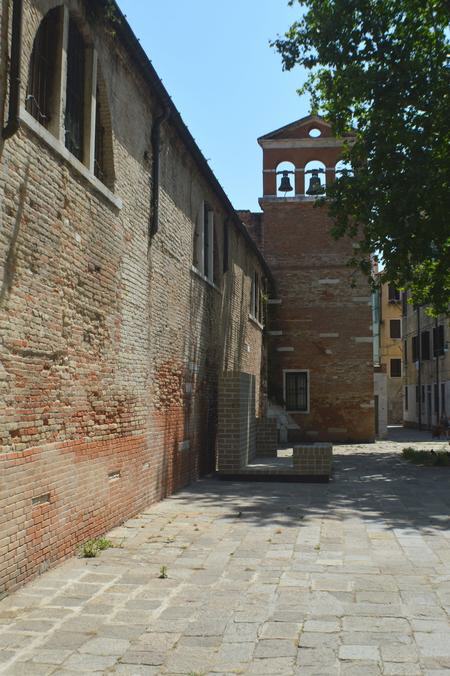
111 347
319 322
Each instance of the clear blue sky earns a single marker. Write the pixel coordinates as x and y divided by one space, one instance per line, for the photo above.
215 61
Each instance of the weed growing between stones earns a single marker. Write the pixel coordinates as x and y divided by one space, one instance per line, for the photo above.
92 548
163 573
427 458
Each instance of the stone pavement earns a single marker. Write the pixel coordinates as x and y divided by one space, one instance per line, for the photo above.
352 577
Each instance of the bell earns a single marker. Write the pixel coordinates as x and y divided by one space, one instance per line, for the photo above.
285 184
315 186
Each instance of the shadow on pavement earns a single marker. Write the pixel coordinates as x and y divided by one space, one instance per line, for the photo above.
378 487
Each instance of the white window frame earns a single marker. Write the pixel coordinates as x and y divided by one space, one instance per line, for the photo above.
308 390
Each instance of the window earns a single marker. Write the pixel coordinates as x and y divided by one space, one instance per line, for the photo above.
438 340
414 344
393 294
296 394
65 96
406 398
436 397
256 299
395 328
425 345
423 394
417 394
396 368
404 304
74 116
41 76
205 244
405 351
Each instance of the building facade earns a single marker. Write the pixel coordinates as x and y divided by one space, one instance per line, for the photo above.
320 316
426 367
388 357
133 299
127 286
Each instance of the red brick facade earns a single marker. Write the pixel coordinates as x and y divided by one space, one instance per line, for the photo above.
111 342
318 322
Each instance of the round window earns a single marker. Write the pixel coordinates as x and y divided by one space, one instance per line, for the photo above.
315 132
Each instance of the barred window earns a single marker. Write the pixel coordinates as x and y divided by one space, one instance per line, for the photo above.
41 77
68 95
296 390
74 118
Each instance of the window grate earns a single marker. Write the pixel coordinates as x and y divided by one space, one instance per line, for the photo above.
74 117
297 391
41 77
99 151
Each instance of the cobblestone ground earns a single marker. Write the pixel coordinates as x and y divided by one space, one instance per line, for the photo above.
352 577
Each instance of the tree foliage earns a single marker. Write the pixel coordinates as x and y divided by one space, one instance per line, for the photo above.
381 69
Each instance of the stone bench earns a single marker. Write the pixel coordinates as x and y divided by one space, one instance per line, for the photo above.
313 459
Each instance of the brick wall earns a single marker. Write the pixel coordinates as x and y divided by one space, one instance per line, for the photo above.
237 422
320 322
111 346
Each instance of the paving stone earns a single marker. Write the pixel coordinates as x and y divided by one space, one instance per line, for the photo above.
311 640
143 657
359 652
185 660
274 665
50 656
89 663
385 624
275 648
105 646
287 630
66 640
135 670
434 644
399 652
322 626
397 669
239 632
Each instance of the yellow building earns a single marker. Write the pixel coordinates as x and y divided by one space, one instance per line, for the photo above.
388 353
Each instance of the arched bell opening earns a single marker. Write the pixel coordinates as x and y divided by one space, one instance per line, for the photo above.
342 169
285 176
315 179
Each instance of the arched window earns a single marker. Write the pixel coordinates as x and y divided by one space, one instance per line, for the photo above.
285 179
67 94
342 168
103 151
42 72
75 108
315 182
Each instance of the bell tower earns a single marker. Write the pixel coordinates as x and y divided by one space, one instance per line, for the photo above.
319 322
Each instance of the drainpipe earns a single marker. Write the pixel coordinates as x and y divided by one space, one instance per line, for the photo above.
156 149
419 375
14 73
437 348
